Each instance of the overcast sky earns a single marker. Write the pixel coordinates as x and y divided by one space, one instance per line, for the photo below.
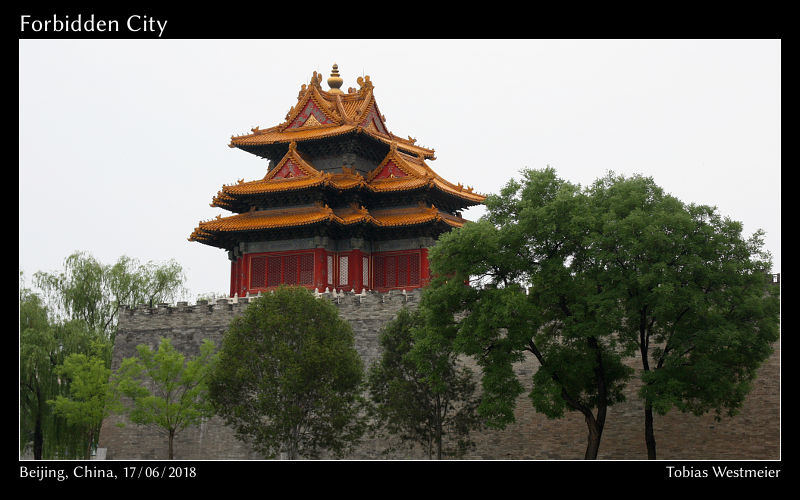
123 143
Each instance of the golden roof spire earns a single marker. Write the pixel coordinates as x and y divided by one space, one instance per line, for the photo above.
335 81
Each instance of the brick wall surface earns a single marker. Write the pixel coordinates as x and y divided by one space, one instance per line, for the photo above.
753 434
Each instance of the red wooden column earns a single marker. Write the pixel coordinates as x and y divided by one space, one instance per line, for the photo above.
239 276
424 269
245 273
320 269
233 277
356 270
240 284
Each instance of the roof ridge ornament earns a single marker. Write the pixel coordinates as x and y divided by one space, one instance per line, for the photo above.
364 82
316 80
335 81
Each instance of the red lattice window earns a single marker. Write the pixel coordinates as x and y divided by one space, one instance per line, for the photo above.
306 274
402 270
273 271
377 272
291 265
258 272
413 270
396 271
391 272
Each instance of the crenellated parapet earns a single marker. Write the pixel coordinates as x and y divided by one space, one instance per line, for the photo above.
188 324
236 305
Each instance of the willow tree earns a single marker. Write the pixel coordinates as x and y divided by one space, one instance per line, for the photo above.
43 347
90 291
90 397
73 309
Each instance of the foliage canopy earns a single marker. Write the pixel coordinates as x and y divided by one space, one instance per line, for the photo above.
425 398
91 291
583 278
166 389
289 379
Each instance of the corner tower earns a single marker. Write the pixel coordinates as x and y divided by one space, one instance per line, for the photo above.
344 205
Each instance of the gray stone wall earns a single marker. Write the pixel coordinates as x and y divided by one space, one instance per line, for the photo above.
754 434
186 326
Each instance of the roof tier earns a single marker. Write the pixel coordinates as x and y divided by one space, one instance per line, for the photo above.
397 173
224 231
321 114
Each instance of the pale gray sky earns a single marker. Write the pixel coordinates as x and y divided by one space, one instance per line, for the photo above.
123 143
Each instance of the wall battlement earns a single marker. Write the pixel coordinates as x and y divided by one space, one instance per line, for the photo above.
754 434
238 304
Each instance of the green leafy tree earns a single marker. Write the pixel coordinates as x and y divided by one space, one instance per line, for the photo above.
90 397
79 306
425 398
534 293
696 302
165 389
615 270
91 291
43 346
289 378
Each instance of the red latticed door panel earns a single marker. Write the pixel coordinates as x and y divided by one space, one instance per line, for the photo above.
273 271
267 271
291 269
306 269
391 271
258 272
413 269
396 271
378 271
402 270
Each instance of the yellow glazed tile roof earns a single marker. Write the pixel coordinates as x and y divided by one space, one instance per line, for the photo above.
294 217
408 173
412 216
320 114
417 174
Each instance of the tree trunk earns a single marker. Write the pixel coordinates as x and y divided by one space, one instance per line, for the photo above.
38 439
596 424
290 447
88 452
649 435
593 446
644 343
171 438
438 430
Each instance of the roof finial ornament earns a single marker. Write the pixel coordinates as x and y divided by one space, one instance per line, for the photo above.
335 81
